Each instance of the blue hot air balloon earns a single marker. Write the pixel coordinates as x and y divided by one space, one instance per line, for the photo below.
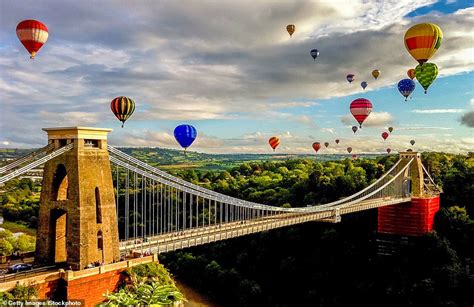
406 87
185 135
314 53
364 84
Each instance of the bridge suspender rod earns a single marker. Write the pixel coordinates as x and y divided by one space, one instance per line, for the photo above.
127 206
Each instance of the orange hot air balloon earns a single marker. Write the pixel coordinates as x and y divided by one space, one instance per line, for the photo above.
411 73
274 142
291 29
384 135
375 73
32 34
316 146
423 40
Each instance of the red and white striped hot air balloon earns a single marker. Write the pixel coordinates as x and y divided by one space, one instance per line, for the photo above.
274 142
360 109
32 34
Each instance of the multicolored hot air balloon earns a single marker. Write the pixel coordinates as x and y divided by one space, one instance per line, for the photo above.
426 74
326 144
406 87
390 129
123 108
314 53
350 77
337 141
412 142
274 142
354 129
360 109
349 149
385 135
185 135
389 150
411 73
364 84
423 40
316 146
32 34
291 29
375 73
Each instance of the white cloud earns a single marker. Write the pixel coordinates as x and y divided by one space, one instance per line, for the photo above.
180 62
437 111
6 143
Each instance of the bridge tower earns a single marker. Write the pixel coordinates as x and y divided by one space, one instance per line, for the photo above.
77 222
415 217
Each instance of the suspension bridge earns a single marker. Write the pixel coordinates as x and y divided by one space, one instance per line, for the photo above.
101 204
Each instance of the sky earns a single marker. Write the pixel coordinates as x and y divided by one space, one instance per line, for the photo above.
230 69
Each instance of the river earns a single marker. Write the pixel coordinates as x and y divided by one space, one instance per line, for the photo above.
195 299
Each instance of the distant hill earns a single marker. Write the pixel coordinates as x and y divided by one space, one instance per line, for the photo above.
172 158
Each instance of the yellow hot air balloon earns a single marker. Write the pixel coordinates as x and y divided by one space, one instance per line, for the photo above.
376 73
291 29
422 41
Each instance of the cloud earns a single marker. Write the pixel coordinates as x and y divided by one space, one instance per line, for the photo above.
468 119
437 111
375 119
329 130
471 103
179 62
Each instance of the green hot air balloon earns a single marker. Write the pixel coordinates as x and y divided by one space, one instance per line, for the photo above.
426 74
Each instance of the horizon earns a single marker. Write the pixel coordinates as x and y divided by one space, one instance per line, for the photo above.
238 78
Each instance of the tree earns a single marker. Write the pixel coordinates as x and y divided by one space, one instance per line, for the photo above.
6 248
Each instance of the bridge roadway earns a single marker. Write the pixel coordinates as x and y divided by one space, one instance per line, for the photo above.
197 236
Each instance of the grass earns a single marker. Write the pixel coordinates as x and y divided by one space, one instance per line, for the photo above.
15 227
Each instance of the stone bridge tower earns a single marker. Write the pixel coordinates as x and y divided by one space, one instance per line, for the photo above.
77 217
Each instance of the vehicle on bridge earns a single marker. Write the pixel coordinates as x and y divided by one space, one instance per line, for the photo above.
19 267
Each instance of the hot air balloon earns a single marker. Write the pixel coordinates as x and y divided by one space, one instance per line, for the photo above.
364 84
411 73
426 74
360 109
32 34
274 142
412 142
349 149
354 157
389 150
123 108
326 144
354 129
337 140
316 146
423 40
409 150
291 29
314 53
406 87
384 135
185 135
390 129
350 77
375 73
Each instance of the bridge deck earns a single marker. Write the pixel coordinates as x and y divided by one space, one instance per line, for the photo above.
183 239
